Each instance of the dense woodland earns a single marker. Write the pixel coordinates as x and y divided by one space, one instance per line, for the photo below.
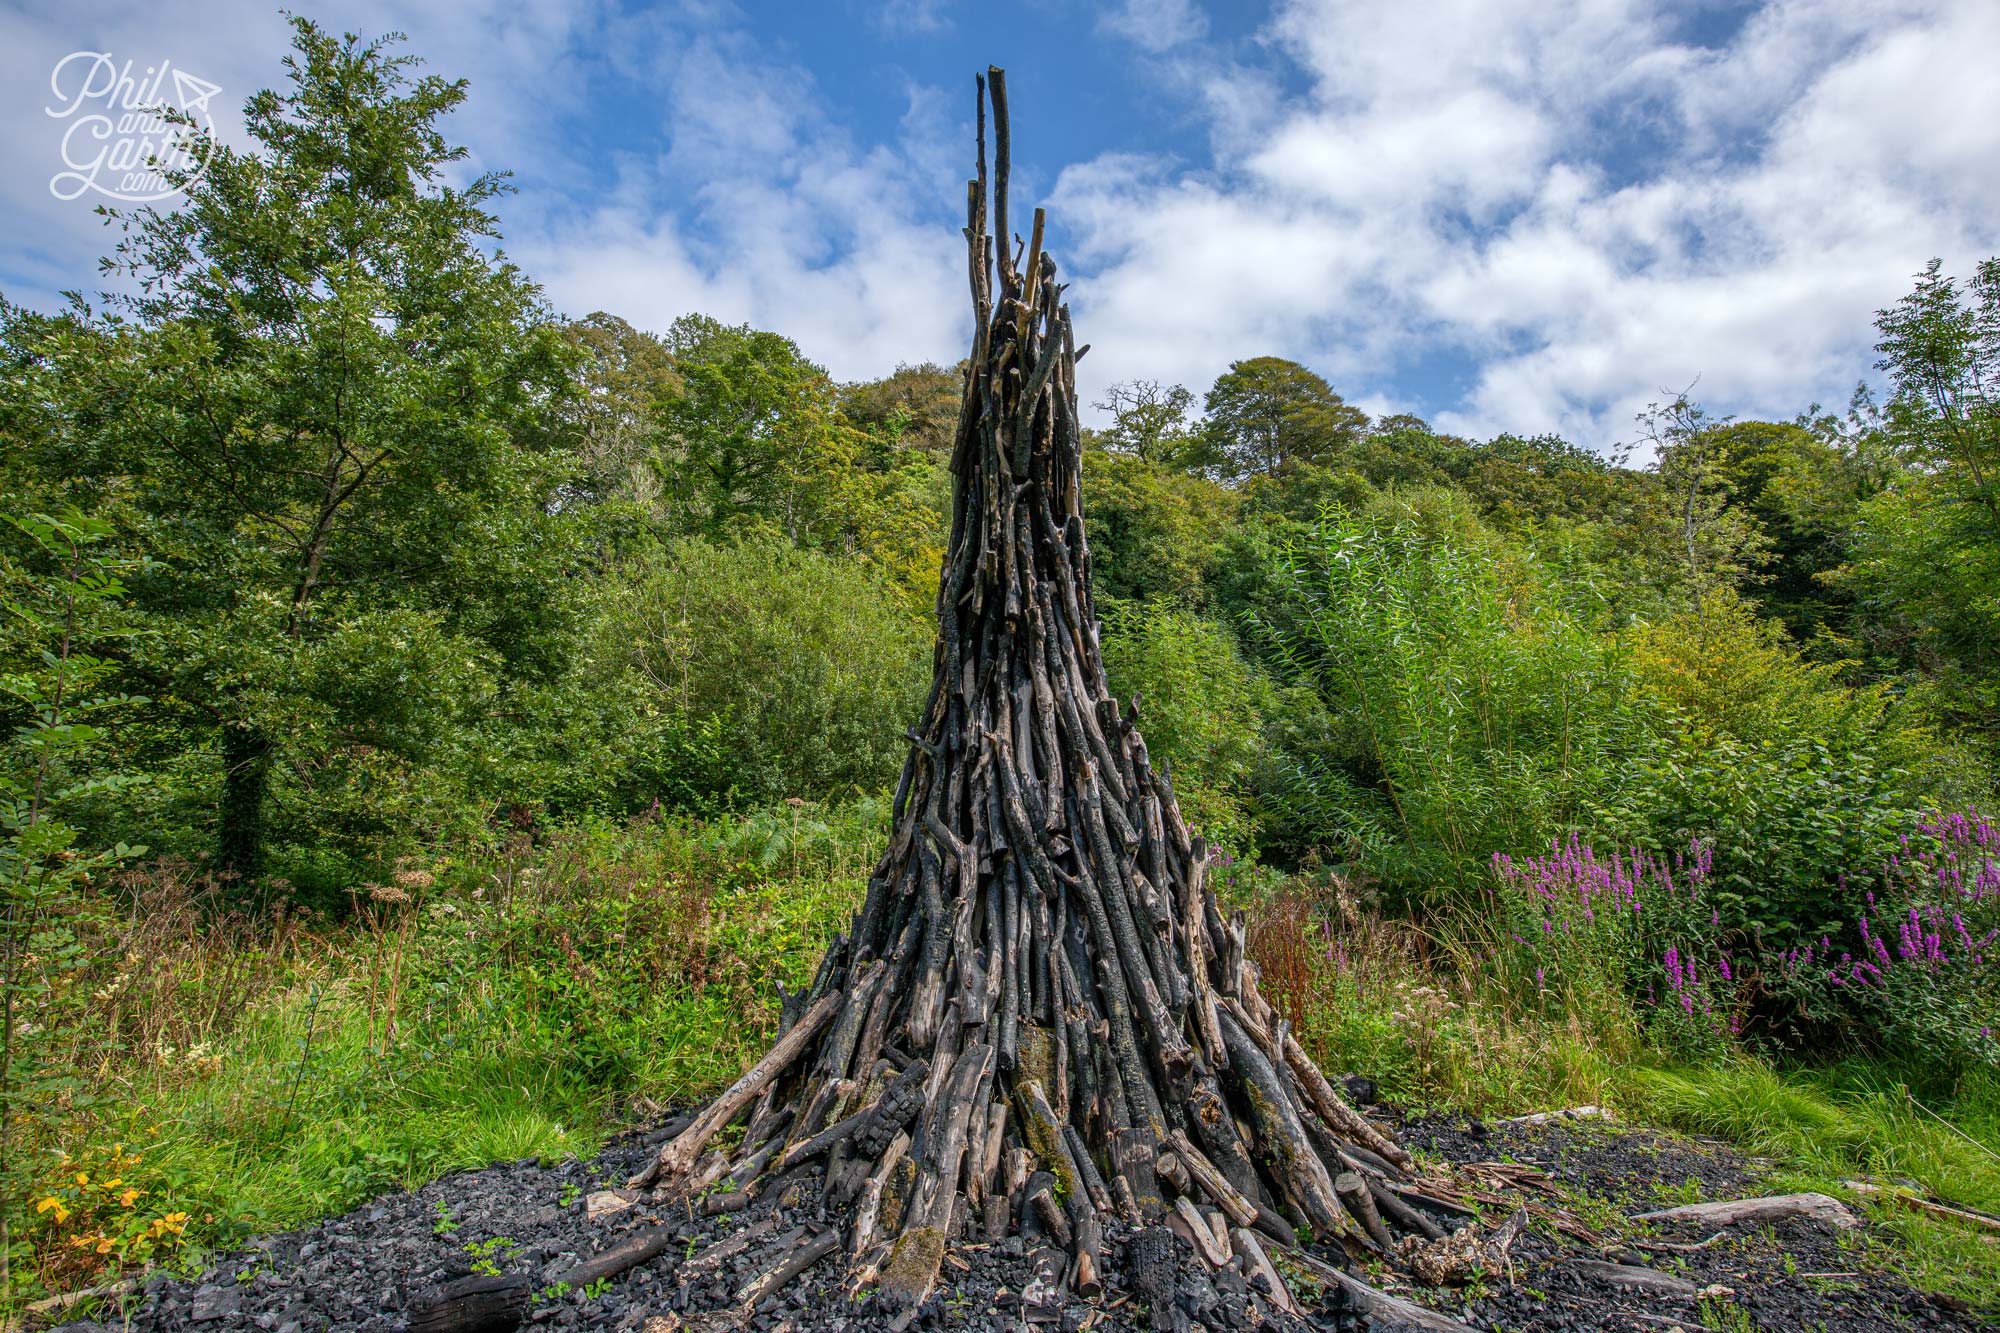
342 570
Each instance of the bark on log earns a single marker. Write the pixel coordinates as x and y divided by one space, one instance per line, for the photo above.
472 1305
1729 1212
793 1264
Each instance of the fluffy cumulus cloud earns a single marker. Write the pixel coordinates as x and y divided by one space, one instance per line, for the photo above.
665 161
1576 206
758 208
1504 214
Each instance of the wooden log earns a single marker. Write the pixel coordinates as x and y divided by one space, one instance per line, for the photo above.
1199 1234
912 1268
1395 1210
1279 1130
789 1267
637 1248
734 1201
1211 1181
1360 1204
1432 1200
1257 1265
1039 1196
1731 1212
1971 1217
1548 1117
868 1212
1133 1157
1339 1116
1149 1268
1379 1305
729 1247
473 1305
679 1153
1632 1277
944 1152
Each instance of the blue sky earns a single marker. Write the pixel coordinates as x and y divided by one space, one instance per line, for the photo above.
1501 214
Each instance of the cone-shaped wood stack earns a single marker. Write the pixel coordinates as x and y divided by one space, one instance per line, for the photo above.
1040 1018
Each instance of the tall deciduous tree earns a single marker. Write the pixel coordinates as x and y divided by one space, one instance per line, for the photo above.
322 405
1149 420
1924 550
1268 415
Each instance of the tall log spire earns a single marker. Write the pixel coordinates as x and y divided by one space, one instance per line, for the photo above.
1040 1019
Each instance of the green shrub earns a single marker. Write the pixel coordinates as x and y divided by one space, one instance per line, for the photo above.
779 672
1794 781
1201 708
1473 712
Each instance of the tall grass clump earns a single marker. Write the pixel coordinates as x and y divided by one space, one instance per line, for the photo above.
1378 996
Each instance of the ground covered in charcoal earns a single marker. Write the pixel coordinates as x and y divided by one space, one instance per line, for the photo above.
1568 1270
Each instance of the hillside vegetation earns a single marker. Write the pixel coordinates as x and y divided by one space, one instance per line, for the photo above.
433 726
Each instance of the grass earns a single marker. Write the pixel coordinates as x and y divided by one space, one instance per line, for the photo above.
247 1077
527 1000
1822 1127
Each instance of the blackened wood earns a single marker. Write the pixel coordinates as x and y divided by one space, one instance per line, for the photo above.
634 1250
472 1305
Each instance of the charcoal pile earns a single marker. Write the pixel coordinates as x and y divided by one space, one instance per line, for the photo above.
567 1247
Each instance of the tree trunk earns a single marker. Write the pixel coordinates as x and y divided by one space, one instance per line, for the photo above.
246 769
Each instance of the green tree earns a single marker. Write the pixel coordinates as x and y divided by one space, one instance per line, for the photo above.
1149 421
622 375
323 413
914 408
1719 546
1268 415
1943 349
1924 549
1154 531
1472 710
1202 708
754 440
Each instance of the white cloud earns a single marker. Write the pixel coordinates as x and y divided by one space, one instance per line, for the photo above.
1566 200
1587 209
901 16
1155 25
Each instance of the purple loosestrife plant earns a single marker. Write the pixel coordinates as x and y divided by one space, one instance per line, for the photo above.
1640 924
1921 971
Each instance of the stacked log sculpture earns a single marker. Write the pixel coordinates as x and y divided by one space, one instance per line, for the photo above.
1040 1020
